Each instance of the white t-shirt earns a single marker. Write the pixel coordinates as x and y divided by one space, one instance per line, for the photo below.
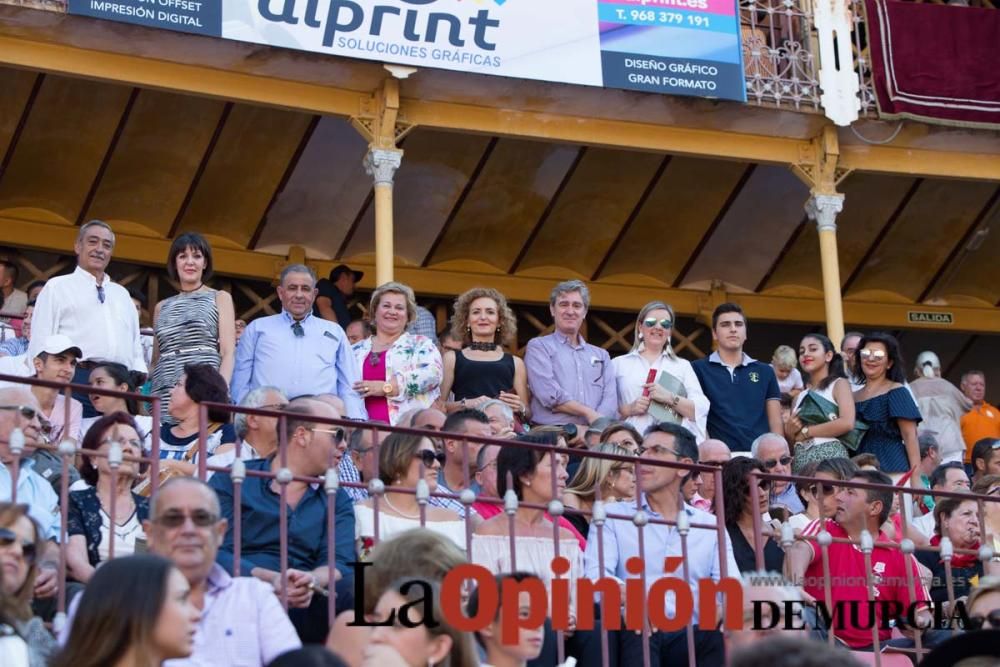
793 381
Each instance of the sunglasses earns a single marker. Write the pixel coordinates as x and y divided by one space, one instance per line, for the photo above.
977 622
877 355
26 411
666 322
338 433
429 456
9 537
824 489
200 518
784 460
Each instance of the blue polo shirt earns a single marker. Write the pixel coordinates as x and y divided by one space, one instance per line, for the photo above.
739 397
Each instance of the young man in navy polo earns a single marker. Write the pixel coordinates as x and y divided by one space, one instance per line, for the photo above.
743 391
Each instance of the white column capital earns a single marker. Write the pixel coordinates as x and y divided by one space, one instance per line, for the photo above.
382 163
824 209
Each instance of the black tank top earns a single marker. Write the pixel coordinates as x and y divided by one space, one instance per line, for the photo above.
482 378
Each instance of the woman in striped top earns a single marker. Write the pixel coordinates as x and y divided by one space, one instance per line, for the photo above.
197 326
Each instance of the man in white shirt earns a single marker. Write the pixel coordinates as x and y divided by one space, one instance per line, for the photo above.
14 300
94 312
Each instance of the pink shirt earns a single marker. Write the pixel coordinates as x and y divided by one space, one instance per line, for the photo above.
377 406
58 419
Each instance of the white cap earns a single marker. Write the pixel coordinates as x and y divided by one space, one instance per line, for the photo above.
927 363
58 343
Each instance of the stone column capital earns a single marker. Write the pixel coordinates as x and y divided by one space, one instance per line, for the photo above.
381 164
823 209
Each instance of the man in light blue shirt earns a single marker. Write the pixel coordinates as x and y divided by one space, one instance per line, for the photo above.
295 351
660 499
19 410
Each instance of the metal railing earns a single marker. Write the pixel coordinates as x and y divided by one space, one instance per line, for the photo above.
599 515
780 58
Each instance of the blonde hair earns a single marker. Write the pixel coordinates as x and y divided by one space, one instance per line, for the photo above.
784 357
637 343
507 324
394 288
594 472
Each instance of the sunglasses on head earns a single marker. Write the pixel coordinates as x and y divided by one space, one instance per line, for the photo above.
877 355
176 519
9 537
978 621
429 456
784 460
666 322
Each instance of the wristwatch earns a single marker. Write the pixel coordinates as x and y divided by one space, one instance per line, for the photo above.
805 432
387 388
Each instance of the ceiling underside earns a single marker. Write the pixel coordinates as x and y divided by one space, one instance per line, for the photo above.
156 164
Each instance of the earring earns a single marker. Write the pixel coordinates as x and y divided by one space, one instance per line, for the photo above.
639 335
527 483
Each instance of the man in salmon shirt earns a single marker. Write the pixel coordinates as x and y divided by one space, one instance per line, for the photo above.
858 510
983 420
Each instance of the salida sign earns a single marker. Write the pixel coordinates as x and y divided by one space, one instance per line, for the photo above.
684 47
638 606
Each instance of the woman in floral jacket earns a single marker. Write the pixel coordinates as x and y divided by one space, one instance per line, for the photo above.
399 371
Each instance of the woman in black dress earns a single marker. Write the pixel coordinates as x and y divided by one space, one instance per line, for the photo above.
482 370
741 502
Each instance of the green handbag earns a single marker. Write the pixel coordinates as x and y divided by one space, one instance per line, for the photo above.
818 410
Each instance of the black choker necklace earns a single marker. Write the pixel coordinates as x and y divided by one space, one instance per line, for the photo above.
189 291
482 347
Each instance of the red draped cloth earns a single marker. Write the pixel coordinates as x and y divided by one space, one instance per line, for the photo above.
935 63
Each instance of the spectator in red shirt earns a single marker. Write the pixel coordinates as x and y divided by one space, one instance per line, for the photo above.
858 510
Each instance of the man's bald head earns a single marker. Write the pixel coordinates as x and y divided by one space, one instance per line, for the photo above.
333 401
711 452
188 487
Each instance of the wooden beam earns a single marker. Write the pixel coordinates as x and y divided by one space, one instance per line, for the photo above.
21 122
106 160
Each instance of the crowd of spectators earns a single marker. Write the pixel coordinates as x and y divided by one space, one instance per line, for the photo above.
172 532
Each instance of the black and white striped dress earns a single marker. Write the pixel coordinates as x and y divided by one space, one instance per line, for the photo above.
187 332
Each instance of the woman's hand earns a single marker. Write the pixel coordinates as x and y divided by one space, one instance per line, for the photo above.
512 400
375 389
639 406
657 393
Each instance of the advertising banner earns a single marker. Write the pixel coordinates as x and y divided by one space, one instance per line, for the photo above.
679 47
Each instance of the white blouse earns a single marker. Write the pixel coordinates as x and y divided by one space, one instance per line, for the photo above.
533 554
631 371
390 524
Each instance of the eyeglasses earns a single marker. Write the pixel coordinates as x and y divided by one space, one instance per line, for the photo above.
825 489
491 464
429 456
995 491
273 406
26 411
771 463
297 330
713 464
977 622
666 322
877 355
657 450
338 433
174 519
9 537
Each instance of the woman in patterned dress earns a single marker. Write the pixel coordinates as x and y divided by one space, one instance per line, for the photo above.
197 326
400 371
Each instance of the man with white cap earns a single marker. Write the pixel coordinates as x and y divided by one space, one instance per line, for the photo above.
56 361
942 406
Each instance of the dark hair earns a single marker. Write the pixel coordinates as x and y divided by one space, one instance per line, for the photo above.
10 266
194 241
895 371
615 427
455 422
866 460
945 507
983 449
785 400
837 466
117 612
736 487
34 284
883 495
789 651
724 308
807 470
683 439
308 656
204 384
520 461
95 436
135 293
836 368
472 606
940 474
120 374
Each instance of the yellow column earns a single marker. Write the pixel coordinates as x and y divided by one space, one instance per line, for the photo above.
823 208
381 165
